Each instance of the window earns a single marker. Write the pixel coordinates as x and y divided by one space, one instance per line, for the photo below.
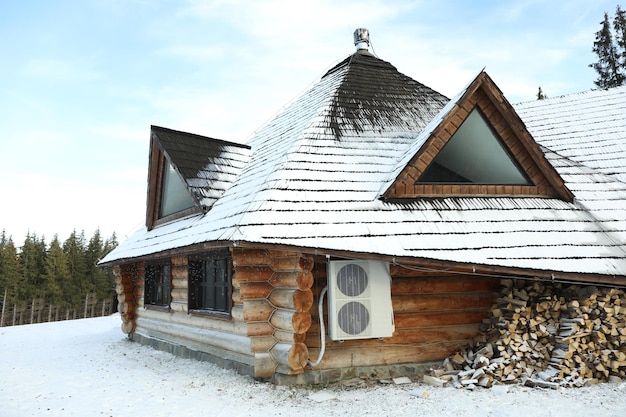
475 155
174 194
157 285
209 282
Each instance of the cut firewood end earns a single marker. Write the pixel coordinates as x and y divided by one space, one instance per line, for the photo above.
545 335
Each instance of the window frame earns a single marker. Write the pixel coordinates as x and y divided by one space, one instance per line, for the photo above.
155 191
217 258
435 168
165 287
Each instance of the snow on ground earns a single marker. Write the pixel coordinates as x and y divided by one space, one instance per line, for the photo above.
89 368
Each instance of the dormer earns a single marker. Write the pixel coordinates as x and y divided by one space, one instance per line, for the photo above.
188 173
476 146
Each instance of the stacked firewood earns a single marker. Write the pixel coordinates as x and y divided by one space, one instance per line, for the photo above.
546 335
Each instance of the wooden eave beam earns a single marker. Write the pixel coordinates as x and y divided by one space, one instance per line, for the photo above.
447 266
433 265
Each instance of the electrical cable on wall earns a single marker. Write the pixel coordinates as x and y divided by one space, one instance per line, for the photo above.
322 329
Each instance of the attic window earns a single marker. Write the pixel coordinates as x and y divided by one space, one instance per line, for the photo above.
474 155
168 196
174 195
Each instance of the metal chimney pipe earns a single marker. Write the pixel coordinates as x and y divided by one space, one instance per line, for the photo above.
362 39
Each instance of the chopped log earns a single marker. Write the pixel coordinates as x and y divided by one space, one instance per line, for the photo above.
264 365
294 356
547 335
287 336
179 294
236 312
298 322
236 296
297 300
252 290
128 327
260 328
179 307
530 382
299 279
434 381
262 343
251 257
293 262
257 310
127 297
245 273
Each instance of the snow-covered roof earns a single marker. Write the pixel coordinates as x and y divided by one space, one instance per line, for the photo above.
208 166
588 127
316 172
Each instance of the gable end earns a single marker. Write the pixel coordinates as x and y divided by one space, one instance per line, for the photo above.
158 164
484 95
202 167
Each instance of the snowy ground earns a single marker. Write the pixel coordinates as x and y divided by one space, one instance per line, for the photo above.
88 368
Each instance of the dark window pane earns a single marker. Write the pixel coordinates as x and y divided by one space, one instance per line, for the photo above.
474 154
174 194
209 282
157 285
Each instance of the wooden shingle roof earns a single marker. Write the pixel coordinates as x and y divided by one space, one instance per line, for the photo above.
317 171
588 127
208 166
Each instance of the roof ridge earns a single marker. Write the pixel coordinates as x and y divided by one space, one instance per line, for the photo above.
550 100
197 136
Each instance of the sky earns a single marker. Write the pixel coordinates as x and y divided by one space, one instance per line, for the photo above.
82 81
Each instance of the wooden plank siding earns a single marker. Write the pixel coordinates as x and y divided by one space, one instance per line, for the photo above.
435 315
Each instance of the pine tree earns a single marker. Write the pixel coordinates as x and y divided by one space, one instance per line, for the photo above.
74 249
541 95
32 260
99 278
619 24
9 267
56 278
610 73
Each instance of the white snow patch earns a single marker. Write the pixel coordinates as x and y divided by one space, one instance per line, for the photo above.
89 368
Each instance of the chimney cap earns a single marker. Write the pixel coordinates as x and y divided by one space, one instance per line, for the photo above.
361 38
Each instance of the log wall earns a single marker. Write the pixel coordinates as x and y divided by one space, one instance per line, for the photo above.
217 335
274 289
129 288
435 315
274 327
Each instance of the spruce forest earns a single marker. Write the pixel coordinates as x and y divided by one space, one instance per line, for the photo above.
58 273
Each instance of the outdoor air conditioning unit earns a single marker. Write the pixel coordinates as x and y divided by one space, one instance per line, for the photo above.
359 300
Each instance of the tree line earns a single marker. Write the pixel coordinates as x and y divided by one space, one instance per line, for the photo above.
61 273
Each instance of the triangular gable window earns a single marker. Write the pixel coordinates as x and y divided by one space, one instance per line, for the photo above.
188 173
169 197
174 195
476 155
478 147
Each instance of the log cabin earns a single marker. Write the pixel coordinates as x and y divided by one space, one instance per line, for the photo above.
365 229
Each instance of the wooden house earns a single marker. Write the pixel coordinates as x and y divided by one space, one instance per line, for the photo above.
366 227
